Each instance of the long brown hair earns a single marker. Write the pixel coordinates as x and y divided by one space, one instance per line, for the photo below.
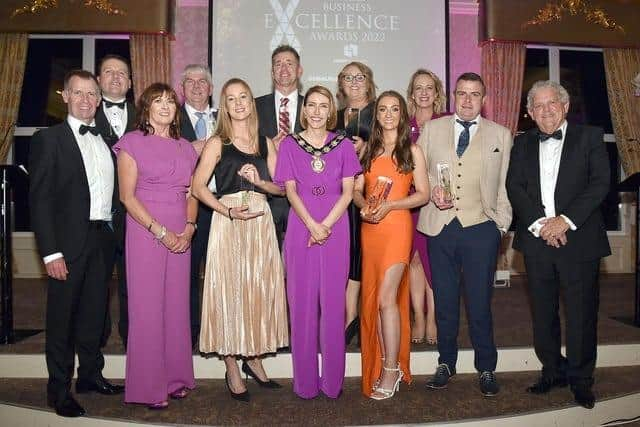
224 129
150 94
402 151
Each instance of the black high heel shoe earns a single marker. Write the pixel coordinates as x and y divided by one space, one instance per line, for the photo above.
266 384
242 397
352 330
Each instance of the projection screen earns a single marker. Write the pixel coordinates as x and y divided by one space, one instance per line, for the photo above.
393 37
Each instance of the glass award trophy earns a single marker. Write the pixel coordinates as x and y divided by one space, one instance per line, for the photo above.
378 195
246 187
444 180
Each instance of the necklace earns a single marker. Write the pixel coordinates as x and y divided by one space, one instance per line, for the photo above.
317 163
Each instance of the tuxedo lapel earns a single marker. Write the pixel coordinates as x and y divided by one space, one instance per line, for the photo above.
186 128
533 154
297 127
272 123
68 140
565 163
131 116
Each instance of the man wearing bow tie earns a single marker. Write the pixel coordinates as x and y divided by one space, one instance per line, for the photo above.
71 195
114 117
557 180
197 124
468 157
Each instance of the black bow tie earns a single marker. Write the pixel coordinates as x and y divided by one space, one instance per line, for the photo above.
84 129
110 104
545 136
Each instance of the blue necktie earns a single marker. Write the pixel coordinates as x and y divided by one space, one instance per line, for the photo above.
463 140
201 126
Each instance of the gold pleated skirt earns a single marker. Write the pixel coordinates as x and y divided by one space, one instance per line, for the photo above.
244 309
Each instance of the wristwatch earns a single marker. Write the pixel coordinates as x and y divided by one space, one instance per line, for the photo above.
195 226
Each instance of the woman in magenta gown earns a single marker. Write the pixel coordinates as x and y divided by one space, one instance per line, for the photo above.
426 100
317 168
154 171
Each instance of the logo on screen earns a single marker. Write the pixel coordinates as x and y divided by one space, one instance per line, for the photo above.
350 50
284 31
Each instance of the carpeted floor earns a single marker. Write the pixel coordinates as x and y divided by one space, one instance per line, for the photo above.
209 403
511 316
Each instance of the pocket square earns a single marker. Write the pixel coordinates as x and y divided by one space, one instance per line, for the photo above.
496 150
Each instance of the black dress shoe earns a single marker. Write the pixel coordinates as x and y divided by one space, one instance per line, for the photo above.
545 384
100 385
583 396
488 384
441 378
66 407
266 384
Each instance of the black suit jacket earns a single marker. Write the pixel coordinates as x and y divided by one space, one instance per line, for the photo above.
268 116
582 185
110 138
59 192
105 129
361 128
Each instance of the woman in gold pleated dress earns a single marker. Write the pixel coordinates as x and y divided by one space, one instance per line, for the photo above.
244 313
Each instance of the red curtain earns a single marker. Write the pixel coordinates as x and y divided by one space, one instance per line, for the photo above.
503 73
150 61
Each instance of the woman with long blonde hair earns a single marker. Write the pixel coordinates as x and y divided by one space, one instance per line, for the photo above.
244 313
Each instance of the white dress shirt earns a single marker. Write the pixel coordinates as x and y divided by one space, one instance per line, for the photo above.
550 154
292 107
458 128
98 165
208 117
116 116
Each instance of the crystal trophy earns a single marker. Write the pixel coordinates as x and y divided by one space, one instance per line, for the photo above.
353 122
246 187
378 194
444 180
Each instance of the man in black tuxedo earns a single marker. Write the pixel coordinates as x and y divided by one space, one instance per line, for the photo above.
115 116
71 195
279 115
557 179
197 123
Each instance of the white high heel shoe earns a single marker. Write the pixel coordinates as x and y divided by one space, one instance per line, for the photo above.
384 393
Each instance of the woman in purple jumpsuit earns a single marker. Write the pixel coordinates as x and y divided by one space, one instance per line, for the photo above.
317 169
154 171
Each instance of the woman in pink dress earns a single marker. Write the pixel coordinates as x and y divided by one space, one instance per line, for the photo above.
154 172
426 100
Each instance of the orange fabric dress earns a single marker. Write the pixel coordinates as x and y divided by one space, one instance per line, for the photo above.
384 245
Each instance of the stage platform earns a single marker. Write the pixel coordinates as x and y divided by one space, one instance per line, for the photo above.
23 373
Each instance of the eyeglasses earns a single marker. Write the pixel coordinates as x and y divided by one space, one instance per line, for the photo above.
192 82
357 77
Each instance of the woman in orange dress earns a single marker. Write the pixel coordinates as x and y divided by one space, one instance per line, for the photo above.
387 236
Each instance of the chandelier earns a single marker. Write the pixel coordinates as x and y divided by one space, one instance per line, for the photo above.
554 12
36 6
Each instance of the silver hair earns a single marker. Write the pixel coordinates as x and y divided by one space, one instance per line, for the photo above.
197 68
563 95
